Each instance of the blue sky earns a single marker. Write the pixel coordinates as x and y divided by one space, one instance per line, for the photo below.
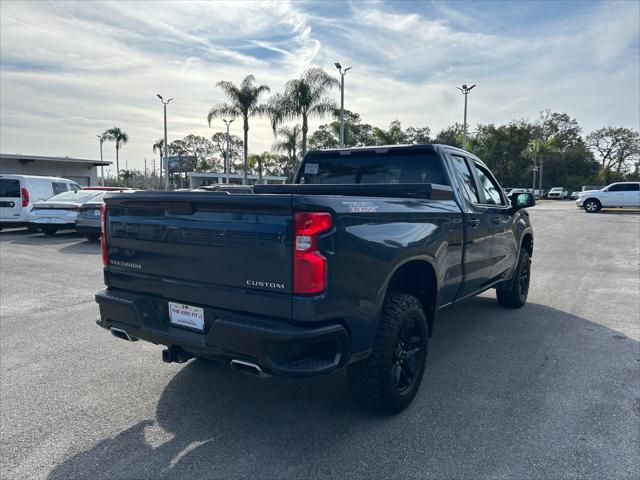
69 70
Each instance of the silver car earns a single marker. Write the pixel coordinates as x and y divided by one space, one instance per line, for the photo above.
60 211
88 220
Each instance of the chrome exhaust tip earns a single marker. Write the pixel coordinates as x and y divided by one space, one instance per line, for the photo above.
247 367
119 333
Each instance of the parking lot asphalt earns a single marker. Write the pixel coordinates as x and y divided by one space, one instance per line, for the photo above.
548 391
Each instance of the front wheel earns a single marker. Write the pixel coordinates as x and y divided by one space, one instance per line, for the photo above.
389 379
591 206
513 294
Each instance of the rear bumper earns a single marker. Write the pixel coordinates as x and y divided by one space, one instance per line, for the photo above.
13 223
88 229
277 346
59 226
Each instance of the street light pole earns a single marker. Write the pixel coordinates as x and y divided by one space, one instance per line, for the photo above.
465 91
226 151
342 74
166 150
100 137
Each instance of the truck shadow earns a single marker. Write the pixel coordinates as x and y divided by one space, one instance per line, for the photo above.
499 384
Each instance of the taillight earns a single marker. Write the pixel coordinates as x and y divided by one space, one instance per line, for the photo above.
25 197
309 265
103 235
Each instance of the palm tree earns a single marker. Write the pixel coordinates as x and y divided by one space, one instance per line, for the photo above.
289 143
243 103
159 146
261 162
115 134
304 97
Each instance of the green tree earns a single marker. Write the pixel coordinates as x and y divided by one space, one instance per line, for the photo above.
265 163
419 135
244 102
117 135
393 136
235 146
451 135
617 150
305 98
289 143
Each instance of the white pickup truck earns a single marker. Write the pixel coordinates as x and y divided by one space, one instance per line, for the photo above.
558 193
616 195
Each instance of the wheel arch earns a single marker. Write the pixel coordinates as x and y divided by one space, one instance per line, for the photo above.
527 243
417 277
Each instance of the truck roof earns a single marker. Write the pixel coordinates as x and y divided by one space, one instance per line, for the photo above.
404 146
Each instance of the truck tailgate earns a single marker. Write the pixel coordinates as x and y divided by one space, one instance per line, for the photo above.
209 249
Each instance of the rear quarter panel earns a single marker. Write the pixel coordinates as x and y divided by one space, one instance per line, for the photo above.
371 238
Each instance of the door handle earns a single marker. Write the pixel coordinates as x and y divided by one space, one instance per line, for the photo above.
497 221
474 222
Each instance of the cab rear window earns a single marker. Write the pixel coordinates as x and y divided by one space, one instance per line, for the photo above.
9 188
369 167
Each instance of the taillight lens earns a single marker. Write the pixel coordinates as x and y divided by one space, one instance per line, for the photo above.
309 265
103 235
25 197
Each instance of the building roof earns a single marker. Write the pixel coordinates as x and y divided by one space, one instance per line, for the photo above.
40 158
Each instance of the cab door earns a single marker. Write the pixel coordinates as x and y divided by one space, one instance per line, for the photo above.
497 208
477 265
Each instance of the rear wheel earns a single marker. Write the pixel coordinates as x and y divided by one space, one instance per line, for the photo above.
92 237
591 205
513 294
49 230
389 379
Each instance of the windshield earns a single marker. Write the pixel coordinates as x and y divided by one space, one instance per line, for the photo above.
75 196
556 189
366 167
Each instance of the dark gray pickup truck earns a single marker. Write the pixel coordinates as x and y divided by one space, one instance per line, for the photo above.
348 266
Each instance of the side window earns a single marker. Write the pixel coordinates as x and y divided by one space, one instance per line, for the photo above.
9 188
624 187
489 186
59 187
462 171
74 186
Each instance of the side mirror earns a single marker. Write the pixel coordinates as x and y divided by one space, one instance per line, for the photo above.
522 200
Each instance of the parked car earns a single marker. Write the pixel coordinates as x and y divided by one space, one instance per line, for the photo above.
519 190
88 219
347 267
558 193
574 195
18 194
60 211
616 195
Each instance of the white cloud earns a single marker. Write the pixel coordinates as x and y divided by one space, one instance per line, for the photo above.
71 70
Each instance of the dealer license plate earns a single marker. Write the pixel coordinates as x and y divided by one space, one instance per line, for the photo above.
186 316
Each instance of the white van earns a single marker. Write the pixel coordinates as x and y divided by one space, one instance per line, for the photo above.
18 193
